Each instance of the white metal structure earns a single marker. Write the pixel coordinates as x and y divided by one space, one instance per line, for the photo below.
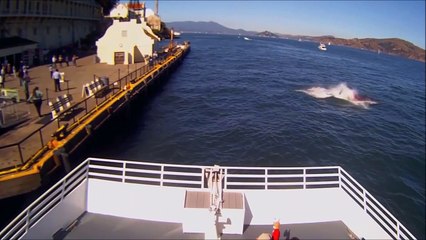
249 196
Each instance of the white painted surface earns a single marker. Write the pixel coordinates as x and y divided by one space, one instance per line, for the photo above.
136 201
60 216
309 206
128 37
291 206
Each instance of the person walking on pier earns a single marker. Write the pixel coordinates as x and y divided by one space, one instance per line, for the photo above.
56 77
37 99
54 61
74 60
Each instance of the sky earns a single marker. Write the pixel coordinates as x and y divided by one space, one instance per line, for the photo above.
340 18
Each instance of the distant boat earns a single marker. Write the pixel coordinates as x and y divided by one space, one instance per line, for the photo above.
300 39
329 43
247 39
176 34
322 47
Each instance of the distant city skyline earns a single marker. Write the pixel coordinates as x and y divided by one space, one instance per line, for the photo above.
344 19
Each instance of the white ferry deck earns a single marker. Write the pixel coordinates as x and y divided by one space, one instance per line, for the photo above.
124 199
98 226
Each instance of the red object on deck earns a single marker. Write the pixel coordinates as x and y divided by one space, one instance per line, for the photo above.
275 234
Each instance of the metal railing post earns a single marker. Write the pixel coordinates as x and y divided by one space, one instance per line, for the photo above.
47 96
266 179
20 153
161 175
41 138
304 178
124 172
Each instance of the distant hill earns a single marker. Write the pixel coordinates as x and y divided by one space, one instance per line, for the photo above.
206 27
393 46
267 34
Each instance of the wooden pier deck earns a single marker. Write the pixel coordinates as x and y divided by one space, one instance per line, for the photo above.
29 151
76 77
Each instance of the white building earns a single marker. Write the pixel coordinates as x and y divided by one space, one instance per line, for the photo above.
128 39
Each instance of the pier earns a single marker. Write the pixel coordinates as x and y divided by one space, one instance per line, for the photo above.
41 145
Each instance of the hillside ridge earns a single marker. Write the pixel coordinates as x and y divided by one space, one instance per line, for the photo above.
392 46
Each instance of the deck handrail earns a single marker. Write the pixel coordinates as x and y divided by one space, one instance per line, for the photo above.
235 178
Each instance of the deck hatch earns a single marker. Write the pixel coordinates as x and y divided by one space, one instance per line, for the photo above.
233 200
197 199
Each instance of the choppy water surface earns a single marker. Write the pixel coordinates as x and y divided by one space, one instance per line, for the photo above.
236 102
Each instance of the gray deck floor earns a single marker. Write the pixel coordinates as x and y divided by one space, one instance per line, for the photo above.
97 226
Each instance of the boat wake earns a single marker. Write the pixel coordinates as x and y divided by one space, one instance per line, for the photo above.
341 91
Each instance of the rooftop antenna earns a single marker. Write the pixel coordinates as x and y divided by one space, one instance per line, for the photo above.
156 7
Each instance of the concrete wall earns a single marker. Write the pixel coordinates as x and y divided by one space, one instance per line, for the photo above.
50 33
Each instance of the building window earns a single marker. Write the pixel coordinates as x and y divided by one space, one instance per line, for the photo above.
38 7
35 31
124 33
30 7
7 4
17 5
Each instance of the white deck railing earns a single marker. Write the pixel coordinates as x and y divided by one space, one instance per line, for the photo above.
192 176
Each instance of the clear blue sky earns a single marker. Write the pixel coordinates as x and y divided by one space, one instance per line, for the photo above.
346 19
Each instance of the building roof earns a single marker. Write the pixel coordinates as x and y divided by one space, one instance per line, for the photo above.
11 42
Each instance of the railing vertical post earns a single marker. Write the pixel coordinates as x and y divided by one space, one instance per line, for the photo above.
20 153
224 178
85 104
63 189
119 75
397 230
47 96
340 176
266 179
27 221
123 175
304 178
161 175
364 195
202 178
87 169
41 138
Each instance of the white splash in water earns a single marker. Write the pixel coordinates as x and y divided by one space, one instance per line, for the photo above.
341 91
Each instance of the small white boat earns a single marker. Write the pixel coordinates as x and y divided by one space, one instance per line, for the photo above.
247 39
176 34
322 47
